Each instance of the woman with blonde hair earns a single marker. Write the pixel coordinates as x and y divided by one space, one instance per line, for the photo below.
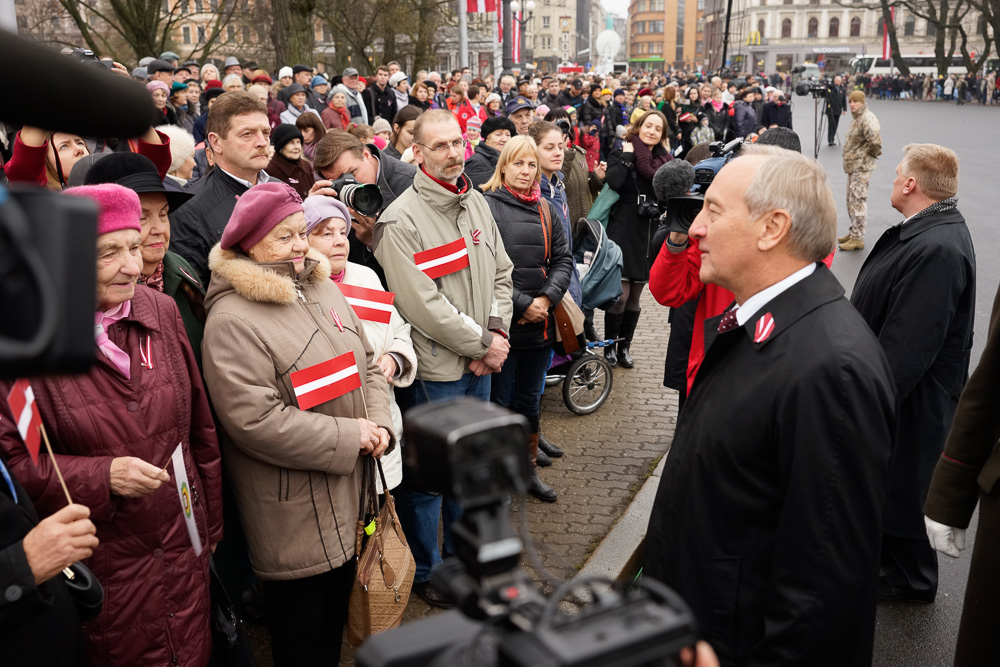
543 264
209 73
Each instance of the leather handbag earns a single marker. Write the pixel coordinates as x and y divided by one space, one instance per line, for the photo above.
87 592
230 643
569 319
385 565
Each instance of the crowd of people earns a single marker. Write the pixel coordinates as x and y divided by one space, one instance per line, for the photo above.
229 269
958 88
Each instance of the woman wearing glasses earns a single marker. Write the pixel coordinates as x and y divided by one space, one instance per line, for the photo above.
536 243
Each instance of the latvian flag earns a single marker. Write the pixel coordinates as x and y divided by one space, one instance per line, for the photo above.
480 6
326 381
22 404
374 305
445 259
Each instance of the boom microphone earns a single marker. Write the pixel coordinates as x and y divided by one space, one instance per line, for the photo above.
62 95
673 179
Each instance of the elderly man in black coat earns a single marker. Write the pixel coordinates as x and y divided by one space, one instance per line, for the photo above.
768 517
917 291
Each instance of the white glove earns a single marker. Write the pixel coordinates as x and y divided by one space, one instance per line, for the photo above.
946 539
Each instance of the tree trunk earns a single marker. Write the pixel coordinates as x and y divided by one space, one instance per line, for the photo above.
893 42
292 31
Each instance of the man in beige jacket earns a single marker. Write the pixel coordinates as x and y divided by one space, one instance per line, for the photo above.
445 260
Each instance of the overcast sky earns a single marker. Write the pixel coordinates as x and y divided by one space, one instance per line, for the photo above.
618 7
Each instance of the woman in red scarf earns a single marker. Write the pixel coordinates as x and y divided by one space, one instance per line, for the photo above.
335 115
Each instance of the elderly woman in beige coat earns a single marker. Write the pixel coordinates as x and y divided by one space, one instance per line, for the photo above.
297 389
328 222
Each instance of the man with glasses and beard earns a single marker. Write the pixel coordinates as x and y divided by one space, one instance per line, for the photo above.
445 260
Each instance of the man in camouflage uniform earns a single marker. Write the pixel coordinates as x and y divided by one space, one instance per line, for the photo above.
861 149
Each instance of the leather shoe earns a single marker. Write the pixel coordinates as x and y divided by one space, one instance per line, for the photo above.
544 445
431 596
624 356
889 593
844 239
540 489
542 459
853 244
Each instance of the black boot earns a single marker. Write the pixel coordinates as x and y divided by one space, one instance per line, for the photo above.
630 318
542 459
544 445
588 326
612 326
536 486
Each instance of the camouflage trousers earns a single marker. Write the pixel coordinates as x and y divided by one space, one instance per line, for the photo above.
857 202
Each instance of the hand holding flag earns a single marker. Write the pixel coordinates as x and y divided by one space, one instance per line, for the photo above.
29 423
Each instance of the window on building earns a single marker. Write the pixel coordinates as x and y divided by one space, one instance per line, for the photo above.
199 6
545 21
786 28
214 4
230 33
56 23
931 29
656 5
879 26
834 27
760 28
245 33
701 5
201 34
909 25
699 46
186 34
787 2
700 25
656 27
640 27
855 27
813 27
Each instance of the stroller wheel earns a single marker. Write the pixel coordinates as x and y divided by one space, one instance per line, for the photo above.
588 384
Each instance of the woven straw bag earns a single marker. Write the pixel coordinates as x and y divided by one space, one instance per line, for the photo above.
386 568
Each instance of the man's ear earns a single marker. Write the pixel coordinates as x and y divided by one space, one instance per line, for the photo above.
775 226
213 142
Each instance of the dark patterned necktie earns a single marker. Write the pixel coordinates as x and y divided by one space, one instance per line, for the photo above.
728 322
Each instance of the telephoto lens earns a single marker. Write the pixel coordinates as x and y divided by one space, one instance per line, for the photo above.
365 198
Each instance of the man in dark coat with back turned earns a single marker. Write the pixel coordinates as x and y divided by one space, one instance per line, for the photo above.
768 516
917 291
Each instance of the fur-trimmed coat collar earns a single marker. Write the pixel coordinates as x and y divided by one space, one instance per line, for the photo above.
273 282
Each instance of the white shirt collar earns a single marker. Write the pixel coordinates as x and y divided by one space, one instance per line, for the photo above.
749 308
262 177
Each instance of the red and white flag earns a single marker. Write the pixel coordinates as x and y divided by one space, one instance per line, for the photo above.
443 260
326 381
22 404
764 328
480 6
886 47
515 51
374 305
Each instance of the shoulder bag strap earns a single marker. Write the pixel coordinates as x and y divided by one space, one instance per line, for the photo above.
543 209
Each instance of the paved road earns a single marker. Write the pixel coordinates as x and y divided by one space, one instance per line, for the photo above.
911 635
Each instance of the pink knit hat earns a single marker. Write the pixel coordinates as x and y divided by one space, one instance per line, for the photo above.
257 212
157 85
118 206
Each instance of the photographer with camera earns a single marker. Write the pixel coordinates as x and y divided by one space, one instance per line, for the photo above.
768 518
836 106
341 155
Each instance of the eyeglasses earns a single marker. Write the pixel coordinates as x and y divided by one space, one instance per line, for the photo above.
458 145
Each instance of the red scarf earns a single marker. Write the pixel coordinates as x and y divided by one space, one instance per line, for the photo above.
155 279
531 198
345 118
457 189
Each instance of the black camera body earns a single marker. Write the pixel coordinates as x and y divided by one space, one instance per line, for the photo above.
648 208
681 211
477 452
817 89
365 198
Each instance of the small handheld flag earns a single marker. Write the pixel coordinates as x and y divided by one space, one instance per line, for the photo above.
22 404
326 381
443 260
184 491
374 305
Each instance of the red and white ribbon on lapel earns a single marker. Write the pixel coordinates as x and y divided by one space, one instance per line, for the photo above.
764 328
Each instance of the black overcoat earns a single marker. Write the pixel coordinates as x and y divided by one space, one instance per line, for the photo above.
917 291
767 520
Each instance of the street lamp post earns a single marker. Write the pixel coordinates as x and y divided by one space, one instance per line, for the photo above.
507 61
515 6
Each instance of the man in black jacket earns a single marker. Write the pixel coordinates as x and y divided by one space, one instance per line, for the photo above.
836 106
768 516
339 153
238 134
917 291
378 97
777 113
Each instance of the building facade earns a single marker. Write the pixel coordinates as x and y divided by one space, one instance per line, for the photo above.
665 34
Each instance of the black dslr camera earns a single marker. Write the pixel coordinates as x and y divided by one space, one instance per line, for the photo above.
476 451
365 198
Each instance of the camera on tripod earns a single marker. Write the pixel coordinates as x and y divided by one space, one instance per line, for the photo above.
817 89
477 452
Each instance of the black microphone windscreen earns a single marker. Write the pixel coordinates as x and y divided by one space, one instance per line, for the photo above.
45 89
673 179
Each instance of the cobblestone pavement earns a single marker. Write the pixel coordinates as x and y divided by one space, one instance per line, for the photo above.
608 455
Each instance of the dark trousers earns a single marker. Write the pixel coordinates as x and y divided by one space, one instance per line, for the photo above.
307 617
519 384
910 564
832 121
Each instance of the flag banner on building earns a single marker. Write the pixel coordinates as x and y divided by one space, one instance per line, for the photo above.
515 52
886 48
481 6
326 381
373 305
22 405
184 491
443 260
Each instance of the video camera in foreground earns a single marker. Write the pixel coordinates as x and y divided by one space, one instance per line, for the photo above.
475 451
684 206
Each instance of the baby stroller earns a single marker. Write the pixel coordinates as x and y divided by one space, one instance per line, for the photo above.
585 375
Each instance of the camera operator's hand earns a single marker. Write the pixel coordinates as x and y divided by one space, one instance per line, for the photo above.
120 70
677 238
59 541
322 188
363 227
497 353
132 477
701 655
